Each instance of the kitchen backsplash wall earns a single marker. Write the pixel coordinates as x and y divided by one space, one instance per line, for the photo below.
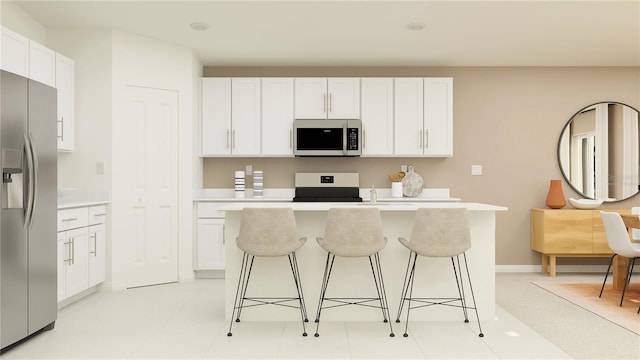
279 172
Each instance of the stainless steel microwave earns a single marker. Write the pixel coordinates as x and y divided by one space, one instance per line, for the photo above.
327 137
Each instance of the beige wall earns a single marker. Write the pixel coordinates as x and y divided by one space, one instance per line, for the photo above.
506 119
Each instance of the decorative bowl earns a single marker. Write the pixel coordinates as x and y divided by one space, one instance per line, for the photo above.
586 204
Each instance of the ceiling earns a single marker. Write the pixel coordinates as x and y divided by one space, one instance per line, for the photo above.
372 33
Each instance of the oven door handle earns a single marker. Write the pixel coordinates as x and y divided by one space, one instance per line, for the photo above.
344 138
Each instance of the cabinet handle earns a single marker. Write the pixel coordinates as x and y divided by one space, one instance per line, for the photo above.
364 138
100 215
61 121
73 251
95 245
330 104
324 102
69 219
426 139
420 138
290 138
67 252
233 140
227 139
223 231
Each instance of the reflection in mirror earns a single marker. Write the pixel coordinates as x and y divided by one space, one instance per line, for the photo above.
599 151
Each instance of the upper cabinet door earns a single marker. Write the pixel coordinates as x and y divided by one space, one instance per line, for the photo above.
343 99
66 116
377 116
42 64
438 117
216 116
277 116
15 53
311 98
409 110
245 116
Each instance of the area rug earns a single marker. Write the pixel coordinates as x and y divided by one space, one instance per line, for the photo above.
585 295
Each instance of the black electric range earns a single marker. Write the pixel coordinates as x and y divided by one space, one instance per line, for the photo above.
327 187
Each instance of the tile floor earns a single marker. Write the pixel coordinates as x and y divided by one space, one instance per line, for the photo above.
186 321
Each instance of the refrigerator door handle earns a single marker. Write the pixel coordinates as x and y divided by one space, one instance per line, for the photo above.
34 177
29 179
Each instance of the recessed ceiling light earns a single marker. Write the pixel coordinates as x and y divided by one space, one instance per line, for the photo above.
415 26
199 26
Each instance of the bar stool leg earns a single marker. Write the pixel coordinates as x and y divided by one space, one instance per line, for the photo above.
473 297
410 286
460 286
405 288
296 279
323 289
246 285
382 293
241 282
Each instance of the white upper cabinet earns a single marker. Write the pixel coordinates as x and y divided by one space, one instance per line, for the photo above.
64 70
277 116
409 110
216 116
15 53
438 116
423 117
377 116
34 61
332 98
42 64
231 116
245 116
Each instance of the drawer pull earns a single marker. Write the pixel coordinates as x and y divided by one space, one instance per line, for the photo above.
70 219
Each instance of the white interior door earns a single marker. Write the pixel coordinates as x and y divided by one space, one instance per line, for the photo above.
153 164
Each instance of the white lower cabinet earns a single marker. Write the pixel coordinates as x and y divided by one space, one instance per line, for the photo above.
81 249
209 249
97 266
75 258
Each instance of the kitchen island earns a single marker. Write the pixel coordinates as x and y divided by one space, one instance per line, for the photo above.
352 276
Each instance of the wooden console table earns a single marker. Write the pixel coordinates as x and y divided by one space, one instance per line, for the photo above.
569 233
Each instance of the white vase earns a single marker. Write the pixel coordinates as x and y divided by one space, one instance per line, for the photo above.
396 189
412 183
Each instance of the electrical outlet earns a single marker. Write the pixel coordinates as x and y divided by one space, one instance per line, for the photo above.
248 170
403 168
476 170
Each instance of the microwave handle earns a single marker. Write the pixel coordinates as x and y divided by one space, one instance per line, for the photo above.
344 138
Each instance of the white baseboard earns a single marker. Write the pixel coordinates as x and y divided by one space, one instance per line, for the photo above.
560 268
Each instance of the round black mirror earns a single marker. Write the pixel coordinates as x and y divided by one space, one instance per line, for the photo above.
599 151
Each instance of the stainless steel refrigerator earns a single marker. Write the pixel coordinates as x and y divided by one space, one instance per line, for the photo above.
28 259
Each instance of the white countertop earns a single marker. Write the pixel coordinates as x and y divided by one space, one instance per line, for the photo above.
325 206
68 199
286 195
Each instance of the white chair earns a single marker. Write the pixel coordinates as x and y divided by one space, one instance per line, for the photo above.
353 232
620 244
267 232
438 233
635 233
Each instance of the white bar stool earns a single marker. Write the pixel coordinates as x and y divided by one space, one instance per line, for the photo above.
267 232
439 233
353 232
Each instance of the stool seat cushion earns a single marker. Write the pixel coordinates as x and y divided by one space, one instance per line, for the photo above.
268 232
440 232
353 232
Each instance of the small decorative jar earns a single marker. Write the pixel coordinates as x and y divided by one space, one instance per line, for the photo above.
412 183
